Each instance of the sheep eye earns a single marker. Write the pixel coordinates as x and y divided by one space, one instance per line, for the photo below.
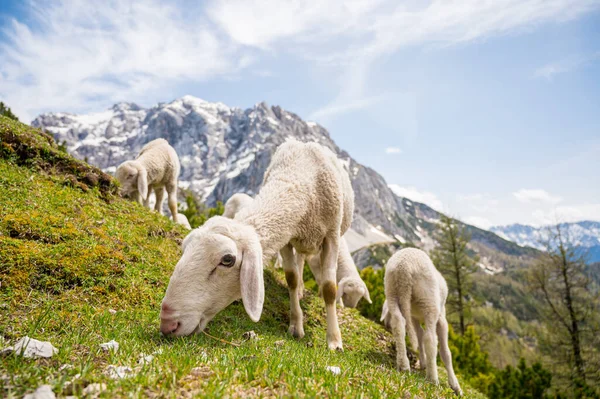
227 260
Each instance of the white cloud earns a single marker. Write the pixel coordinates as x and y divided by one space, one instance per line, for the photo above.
548 71
567 213
414 194
480 202
262 23
76 55
79 55
393 150
343 107
478 221
439 23
536 196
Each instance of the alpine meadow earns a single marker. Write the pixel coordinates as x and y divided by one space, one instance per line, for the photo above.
299 199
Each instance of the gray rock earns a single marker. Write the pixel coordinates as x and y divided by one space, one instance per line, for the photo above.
30 347
43 392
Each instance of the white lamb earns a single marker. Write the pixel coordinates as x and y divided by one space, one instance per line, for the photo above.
416 293
351 288
156 167
306 203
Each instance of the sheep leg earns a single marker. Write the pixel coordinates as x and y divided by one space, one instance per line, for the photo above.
147 199
278 261
314 263
292 277
420 333
159 193
430 338
442 332
172 191
398 324
137 197
300 265
329 255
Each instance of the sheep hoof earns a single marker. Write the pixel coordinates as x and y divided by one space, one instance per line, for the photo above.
457 391
296 331
433 380
336 346
403 368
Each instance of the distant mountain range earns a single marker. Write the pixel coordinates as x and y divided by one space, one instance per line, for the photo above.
584 234
226 150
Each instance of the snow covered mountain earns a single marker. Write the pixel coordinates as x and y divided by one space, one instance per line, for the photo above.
584 234
226 150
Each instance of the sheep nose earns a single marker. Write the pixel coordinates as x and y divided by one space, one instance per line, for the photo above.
169 326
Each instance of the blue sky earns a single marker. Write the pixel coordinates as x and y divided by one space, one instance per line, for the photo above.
489 111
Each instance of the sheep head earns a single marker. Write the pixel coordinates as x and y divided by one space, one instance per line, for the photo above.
133 178
221 262
351 290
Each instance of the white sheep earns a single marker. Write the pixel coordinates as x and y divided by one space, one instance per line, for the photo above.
156 167
351 288
237 202
306 203
416 294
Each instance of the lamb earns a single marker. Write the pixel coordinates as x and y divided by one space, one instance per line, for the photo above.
306 203
416 293
351 288
156 167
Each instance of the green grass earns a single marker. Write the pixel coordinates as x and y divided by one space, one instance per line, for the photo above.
69 254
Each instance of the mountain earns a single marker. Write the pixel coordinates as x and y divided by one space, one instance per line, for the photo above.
226 150
584 234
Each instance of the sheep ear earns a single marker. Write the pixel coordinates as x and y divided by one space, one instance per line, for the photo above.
251 281
367 296
142 183
384 311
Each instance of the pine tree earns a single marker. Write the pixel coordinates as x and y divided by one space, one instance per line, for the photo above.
197 213
374 281
521 382
570 310
5 111
452 259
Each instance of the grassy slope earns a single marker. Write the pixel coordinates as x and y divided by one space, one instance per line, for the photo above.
70 251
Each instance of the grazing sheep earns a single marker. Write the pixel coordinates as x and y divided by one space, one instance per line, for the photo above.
156 167
351 288
183 220
306 203
416 293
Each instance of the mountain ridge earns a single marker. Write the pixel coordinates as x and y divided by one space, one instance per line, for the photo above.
224 150
584 234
